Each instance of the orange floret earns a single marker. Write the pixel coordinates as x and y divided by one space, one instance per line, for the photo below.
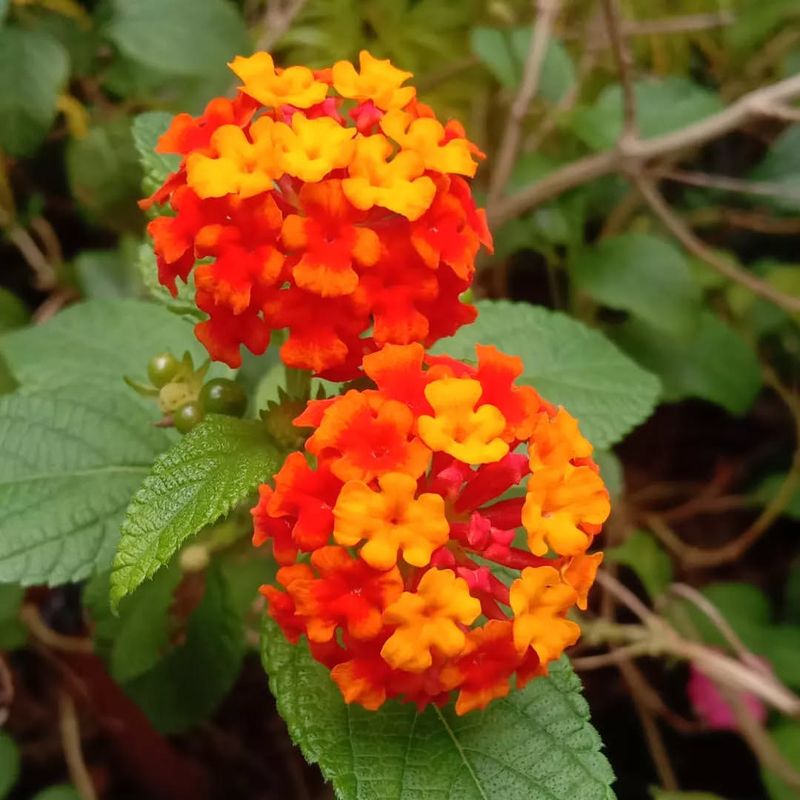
429 621
560 503
539 601
390 520
395 183
238 166
468 434
377 81
295 86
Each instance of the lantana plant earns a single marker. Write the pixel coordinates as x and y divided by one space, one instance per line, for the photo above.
333 203
424 522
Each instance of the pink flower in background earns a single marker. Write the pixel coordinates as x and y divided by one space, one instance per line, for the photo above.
710 705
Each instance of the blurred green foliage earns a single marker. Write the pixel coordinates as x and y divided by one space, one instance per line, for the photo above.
87 87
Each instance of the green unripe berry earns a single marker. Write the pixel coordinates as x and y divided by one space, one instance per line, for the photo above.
187 416
221 396
174 395
162 368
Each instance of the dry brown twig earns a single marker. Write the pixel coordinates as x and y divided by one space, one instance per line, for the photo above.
759 740
663 639
38 628
689 23
713 216
6 689
277 19
712 557
507 153
69 727
622 56
642 692
642 152
42 268
632 165
726 184
681 231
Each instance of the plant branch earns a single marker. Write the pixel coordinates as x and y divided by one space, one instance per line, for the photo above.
628 598
507 153
6 689
748 220
655 741
32 619
702 603
687 24
660 639
25 243
669 25
702 557
278 18
759 740
622 55
678 228
612 658
726 184
643 151
71 742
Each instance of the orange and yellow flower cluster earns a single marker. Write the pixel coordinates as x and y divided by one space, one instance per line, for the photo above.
417 490
331 203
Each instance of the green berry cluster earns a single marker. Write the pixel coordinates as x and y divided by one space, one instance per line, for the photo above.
184 396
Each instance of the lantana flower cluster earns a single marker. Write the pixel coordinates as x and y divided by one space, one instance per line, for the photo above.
331 203
433 535
398 537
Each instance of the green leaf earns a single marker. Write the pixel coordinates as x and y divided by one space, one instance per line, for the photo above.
99 341
791 596
9 764
647 558
76 33
786 735
105 176
611 470
325 32
13 313
504 53
135 639
244 570
756 20
715 364
537 743
568 363
182 37
761 317
13 633
216 465
146 129
187 685
109 274
769 487
781 166
644 275
33 71
8 383
62 791
69 461
662 106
